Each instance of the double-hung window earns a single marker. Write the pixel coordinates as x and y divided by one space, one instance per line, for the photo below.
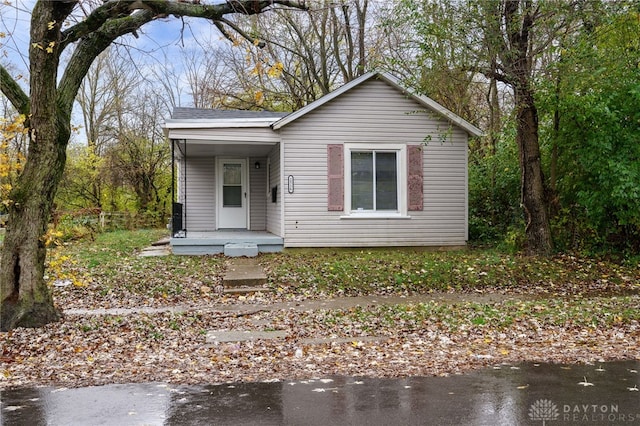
374 180
375 177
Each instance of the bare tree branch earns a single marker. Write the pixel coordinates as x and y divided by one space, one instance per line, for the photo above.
13 92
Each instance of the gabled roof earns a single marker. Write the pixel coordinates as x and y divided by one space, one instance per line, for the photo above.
199 118
182 113
391 80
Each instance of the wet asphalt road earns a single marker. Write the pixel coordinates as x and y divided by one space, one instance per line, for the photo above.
528 394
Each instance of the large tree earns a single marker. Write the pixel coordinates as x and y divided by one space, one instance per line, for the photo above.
53 86
503 41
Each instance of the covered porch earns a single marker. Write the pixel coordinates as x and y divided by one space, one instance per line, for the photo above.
228 242
225 176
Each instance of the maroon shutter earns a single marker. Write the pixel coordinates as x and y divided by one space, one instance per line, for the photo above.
415 196
335 177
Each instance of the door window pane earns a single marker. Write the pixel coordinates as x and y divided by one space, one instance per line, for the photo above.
232 185
232 174
232 196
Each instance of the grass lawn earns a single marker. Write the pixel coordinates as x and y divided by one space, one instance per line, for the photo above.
402 271
558 309
107 271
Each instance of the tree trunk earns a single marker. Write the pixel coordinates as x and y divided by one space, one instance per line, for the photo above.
538 231
26 299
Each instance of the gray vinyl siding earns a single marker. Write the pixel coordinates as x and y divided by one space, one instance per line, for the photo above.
258 197
374 112
200 206
274 223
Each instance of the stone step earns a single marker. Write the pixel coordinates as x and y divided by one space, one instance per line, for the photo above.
245 290
244 336
243 274
241 249
155 251
161 242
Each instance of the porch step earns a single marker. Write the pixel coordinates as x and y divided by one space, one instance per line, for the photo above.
244 274
246 290
206 243
241 249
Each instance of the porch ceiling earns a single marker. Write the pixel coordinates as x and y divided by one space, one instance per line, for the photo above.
202 148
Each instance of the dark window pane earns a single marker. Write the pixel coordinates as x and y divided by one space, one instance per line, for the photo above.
232 196
362 180
386 181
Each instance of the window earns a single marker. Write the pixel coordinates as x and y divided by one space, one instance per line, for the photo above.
232 185
374 181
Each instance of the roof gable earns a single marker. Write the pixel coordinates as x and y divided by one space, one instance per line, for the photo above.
392 81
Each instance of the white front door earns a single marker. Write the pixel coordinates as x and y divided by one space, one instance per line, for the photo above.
232 194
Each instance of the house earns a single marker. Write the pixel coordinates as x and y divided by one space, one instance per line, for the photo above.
369 164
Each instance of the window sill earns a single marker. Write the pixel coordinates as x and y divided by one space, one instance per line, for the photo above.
371 215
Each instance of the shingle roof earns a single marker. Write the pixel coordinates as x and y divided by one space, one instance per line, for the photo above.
182 113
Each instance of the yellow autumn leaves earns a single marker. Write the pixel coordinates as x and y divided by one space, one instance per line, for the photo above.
261 67
271 71
11 160
46 46
64 270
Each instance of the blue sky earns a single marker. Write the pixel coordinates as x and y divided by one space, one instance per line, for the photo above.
167 36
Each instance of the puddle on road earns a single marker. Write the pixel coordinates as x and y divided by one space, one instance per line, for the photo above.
528 394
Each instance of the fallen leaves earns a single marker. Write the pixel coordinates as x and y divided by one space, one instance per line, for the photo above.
561 310
359 272
170 347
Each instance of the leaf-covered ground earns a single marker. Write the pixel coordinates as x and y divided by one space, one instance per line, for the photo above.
563 309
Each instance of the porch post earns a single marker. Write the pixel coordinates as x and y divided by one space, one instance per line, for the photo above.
173 171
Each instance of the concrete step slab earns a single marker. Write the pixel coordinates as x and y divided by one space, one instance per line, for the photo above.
162 242
246 290
244 275
155 251
241 249
244 336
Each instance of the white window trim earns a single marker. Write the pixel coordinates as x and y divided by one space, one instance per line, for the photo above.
401 157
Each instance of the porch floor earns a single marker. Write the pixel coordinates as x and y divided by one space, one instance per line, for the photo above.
213 242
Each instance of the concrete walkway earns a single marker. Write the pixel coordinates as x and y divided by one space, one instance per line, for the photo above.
310 304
